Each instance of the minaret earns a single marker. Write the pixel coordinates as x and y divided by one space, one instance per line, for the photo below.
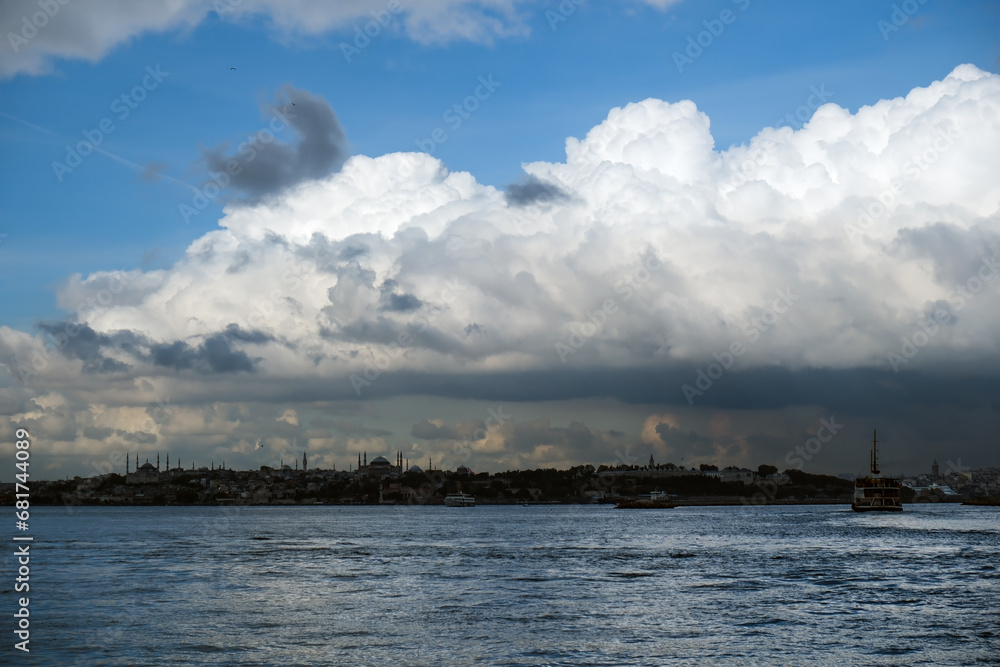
359 460
168 461
875 452
126 463
305 462
651 464
366 459
935 470
157 462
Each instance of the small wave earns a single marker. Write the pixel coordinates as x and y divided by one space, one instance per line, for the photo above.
207 648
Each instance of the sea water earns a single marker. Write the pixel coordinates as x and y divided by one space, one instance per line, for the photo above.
510 585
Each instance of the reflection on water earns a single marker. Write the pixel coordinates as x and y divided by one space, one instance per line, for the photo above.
574 585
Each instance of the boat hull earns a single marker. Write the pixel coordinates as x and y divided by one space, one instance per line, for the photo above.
871 508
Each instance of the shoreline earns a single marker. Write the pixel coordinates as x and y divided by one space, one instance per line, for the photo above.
675 503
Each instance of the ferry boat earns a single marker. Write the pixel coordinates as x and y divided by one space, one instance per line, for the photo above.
875 493
460 500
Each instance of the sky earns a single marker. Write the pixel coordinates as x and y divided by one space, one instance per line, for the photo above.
501 233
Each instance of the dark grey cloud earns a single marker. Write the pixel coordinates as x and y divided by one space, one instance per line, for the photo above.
866 391
532 190
265 164
401 303
397 303
241 262
258 337
80 341
957 253
330 256
215 355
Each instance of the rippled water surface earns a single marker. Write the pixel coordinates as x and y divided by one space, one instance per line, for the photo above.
540 585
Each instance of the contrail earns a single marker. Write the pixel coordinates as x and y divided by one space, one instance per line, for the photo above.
117 158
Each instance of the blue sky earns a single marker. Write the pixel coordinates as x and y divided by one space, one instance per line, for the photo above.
119 211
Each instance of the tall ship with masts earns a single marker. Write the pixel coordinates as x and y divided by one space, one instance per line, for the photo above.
875 493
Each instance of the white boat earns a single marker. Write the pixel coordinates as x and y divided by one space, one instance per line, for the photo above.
460 500
875 493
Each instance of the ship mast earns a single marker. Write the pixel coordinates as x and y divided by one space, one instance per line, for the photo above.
874 465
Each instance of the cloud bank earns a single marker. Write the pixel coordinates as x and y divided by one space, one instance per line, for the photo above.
861 248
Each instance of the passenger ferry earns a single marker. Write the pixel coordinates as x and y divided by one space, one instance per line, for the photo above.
460 500
875 493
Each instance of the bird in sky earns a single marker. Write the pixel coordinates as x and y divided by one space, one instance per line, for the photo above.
233 68
258 445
